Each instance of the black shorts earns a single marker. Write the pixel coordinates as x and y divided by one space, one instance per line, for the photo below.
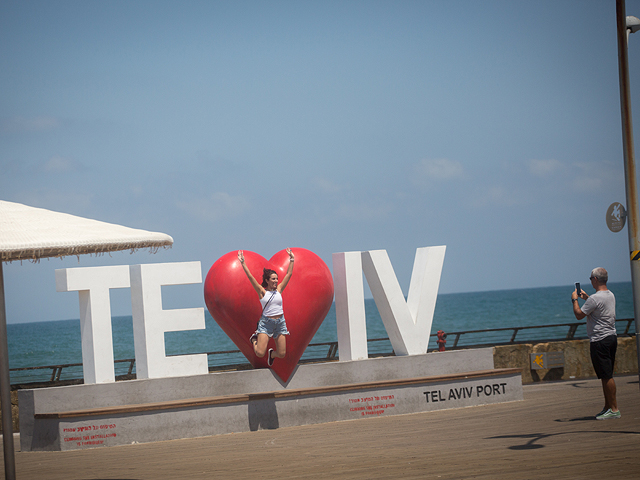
603 356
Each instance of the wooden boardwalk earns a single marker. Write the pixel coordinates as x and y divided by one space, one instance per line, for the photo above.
551 434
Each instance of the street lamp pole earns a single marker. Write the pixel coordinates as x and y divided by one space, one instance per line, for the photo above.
629 163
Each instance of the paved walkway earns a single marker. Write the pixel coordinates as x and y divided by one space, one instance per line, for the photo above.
551 434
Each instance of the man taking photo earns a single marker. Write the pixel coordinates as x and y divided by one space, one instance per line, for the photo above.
600 310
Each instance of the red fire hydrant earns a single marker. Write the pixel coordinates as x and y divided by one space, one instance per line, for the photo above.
442 339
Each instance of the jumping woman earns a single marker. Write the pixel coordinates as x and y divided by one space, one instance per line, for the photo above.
272 323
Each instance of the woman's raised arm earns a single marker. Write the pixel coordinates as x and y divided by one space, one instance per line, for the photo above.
254 283
282 285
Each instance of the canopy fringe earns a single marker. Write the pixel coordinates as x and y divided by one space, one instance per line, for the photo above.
35 254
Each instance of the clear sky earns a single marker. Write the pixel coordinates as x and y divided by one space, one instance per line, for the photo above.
491 127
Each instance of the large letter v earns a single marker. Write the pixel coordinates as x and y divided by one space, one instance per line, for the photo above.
408 324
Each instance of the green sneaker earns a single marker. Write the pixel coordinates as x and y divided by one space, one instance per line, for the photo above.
601 412
609 414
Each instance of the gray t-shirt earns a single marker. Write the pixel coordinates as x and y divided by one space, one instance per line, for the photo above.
600 309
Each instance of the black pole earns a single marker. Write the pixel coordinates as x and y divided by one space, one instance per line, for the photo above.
5 391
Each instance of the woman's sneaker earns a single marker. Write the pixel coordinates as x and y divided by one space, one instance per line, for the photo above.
254 338
269 358
609 414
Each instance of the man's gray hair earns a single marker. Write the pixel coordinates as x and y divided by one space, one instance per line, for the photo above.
600 274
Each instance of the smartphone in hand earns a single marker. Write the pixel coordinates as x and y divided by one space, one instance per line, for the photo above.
578 288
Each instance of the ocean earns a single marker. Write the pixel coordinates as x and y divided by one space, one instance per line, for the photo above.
58 342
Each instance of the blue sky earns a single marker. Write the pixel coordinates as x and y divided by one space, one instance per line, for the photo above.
492 127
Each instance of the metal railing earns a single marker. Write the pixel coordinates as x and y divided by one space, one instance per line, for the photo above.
56 370
490 337
571 332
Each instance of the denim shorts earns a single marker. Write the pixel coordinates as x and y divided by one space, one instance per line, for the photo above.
274 327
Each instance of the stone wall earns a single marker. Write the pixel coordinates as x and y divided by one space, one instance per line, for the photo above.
577 360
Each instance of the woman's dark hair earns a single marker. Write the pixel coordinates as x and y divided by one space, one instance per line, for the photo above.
266 273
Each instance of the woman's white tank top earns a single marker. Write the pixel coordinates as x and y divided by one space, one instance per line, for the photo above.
274 309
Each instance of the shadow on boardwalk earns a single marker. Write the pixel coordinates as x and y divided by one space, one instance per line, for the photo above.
551 434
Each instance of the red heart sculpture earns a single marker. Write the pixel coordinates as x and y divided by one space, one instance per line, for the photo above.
235 305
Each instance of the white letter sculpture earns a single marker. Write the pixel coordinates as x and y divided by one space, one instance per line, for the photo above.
350 313
150 321
93 284
408 324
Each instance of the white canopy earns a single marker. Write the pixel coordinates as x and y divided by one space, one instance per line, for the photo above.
29 233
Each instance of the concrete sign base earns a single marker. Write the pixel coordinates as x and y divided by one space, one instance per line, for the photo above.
137 411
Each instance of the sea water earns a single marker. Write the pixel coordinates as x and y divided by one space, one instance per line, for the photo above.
58 342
